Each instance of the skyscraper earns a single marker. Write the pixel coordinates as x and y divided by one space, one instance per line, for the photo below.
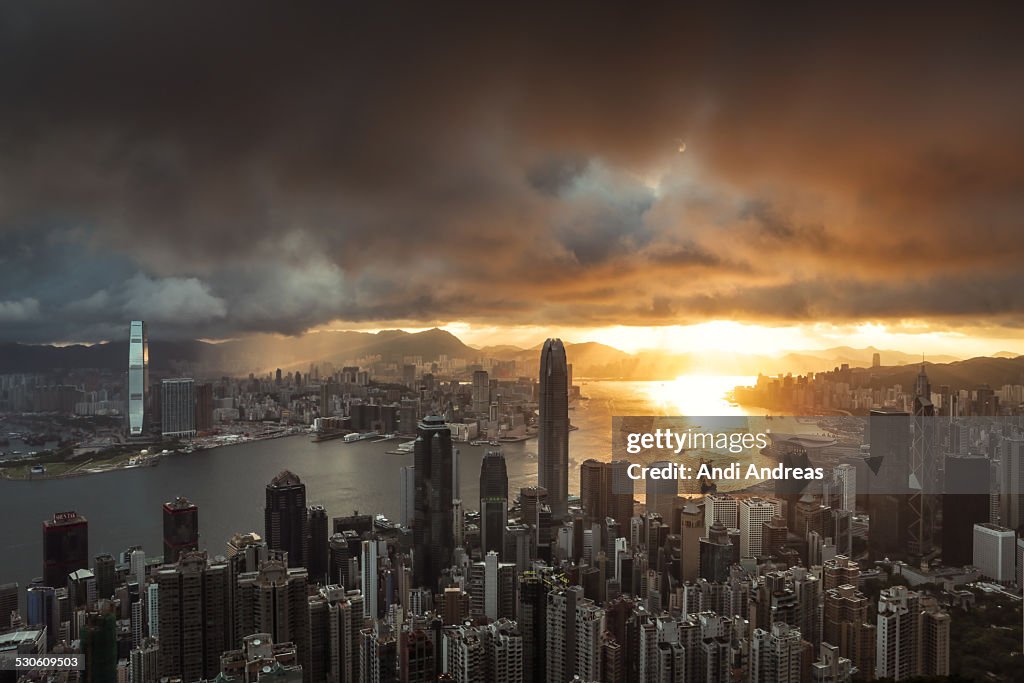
754 512
285 517
661 494
493 502
553 426
138 378
181 528
888 484
606 490
65 547
481 397
433 521
965 502
316 562
98 638
407 495
178 407
274 600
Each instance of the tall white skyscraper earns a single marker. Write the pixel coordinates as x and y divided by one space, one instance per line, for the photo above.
723 508
137 566
138 378
754 512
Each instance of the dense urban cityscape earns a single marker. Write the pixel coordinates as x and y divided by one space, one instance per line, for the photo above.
561 342
862 575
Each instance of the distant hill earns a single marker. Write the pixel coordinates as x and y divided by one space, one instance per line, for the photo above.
263 353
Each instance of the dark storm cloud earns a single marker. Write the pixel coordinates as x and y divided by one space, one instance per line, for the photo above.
231 168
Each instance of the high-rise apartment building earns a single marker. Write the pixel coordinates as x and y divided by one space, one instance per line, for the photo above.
195 616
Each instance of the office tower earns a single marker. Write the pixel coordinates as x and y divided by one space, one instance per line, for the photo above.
65 547
82 589
888 484
138 378
317 547
178 407
553 427
44 610
1011 482
273 600
573 636
204 407
335 619
493 502
8 604
407 495
98 637
285 518
845 477
378 653
995 552
342 551
876 360
753 513
481 396
144 662
845 625
966 502
370 578
137 566
691 528
532 619
195 617
775 654
716 554
105 570
499 587
912 636
721 507
922 471
433 522
661 494
181 528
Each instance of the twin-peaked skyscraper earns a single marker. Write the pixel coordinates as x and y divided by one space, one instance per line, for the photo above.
553 426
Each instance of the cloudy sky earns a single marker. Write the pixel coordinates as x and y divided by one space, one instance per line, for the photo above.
622 175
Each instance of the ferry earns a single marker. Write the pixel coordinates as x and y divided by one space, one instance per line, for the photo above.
349 438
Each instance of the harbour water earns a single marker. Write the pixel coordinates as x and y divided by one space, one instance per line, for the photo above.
228 483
